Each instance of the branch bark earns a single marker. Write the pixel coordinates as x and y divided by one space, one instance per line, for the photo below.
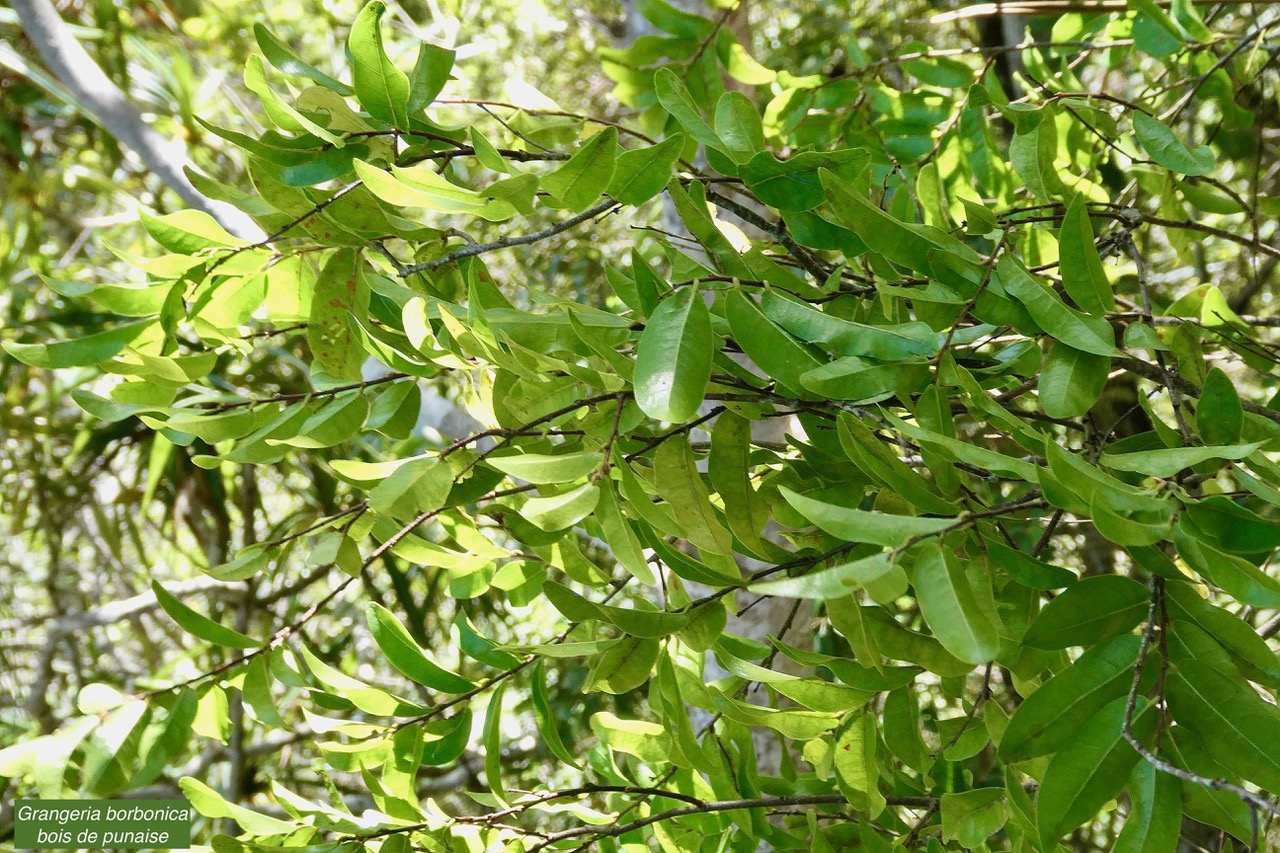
108 106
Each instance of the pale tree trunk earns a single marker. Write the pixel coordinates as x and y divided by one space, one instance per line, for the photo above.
108 106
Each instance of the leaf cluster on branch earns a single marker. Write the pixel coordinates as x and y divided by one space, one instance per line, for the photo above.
1023 494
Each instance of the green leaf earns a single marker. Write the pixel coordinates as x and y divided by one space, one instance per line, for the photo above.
973 816
794 184
738 126
332 421
1219 415
669 19
729 468
619 536
1088 334
493 744
188 231
675 99
897 342
644 622
1154 32
199 625
1082 274
855 763
210 803
1168 150
696 216
447 739
1244 581
430 74
780 356
1239 728
557 512
1027 570
797 725
282 114
420 484
79 352
666 698
1154 824
546 468
407 656
1209 806
339 293
624 666
283 58
416 188
903 243
673 360
902 725
856 525
1072 381
647 741
979 219
644 172
98 698
855 380
840 580
257 693
1168 462
680 483
1088 612
1090 770
1048 718
878 461
950 607
381 88
739 64
369 699
579 182
546 720
1033 149
1234 634
1230 526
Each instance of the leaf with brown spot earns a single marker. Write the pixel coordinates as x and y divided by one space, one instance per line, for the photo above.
340 292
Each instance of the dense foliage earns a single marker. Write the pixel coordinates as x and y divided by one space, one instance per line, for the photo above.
963 361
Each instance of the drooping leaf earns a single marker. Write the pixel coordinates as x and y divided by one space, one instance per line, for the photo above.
430 74
1082 274
1236 725
381 87
545 718
1219 415
949 605
1089 770
855 525
673 360
199 625
793 184
1154 824
781 356
1168 150
339 294
1072 381
737 124
287 61
80 352
404 653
